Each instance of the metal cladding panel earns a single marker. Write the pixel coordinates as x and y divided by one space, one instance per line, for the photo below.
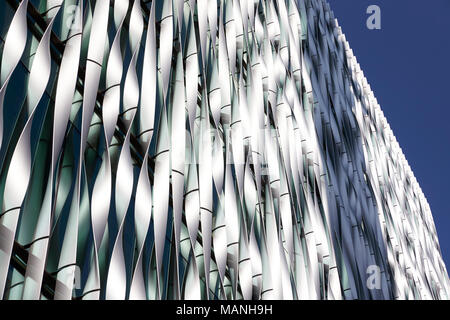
209 149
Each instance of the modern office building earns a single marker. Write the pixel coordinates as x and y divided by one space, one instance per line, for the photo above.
200 149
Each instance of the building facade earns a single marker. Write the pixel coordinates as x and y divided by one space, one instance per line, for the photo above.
200 149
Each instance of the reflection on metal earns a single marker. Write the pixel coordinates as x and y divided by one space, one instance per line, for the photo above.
209 149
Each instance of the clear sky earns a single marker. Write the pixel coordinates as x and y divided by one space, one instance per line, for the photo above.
407 64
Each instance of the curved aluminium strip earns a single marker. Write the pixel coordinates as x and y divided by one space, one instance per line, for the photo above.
101 194
19 171
116 279
144 201
97 38
12 52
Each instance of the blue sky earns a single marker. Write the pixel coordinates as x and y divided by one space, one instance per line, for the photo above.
407 64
